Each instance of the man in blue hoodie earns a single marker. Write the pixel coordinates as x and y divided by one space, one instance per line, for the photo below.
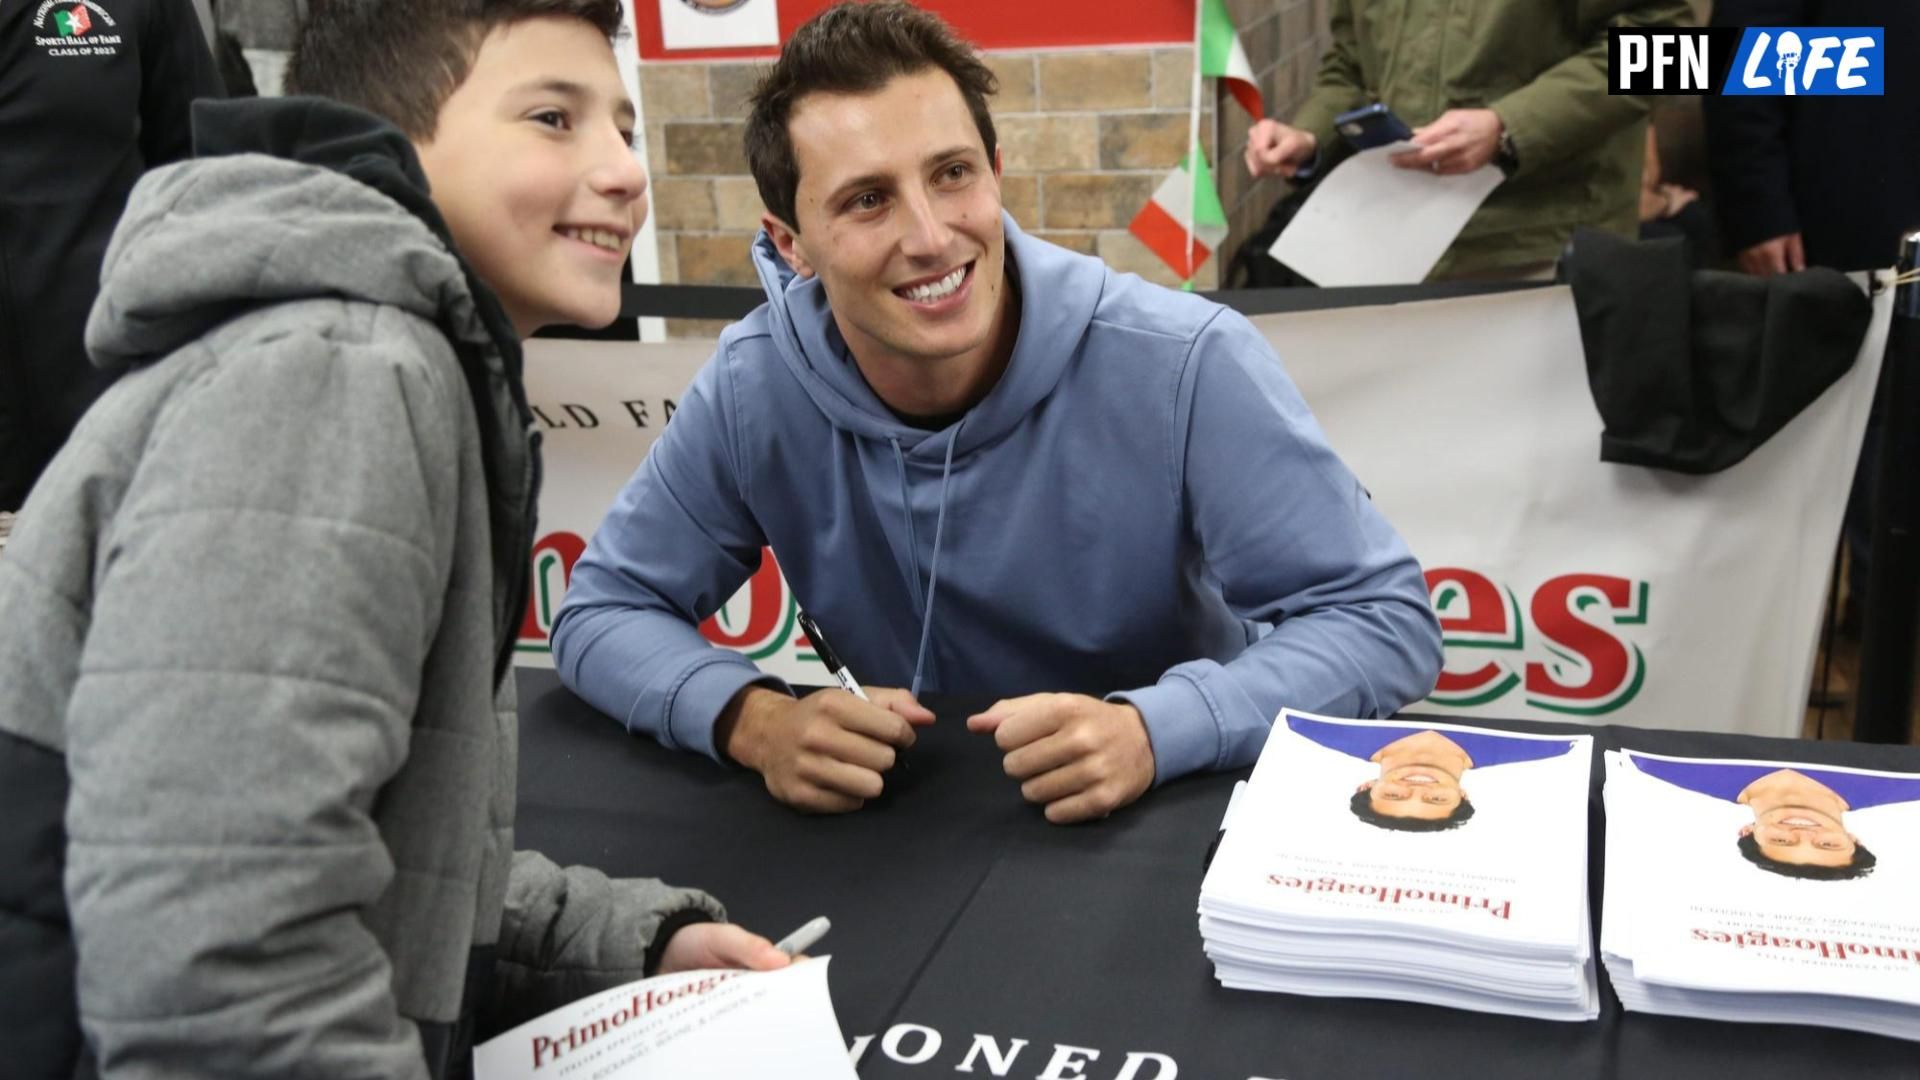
989 466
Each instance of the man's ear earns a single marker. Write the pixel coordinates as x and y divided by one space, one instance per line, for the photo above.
786 240
999 163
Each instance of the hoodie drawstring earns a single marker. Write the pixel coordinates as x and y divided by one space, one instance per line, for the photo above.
939 531
913 541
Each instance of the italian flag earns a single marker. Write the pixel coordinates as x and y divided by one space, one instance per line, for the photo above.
73 22
1184 222
1222 57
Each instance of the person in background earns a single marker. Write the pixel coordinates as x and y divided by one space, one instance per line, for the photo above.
1674 210
1517 83
258 740
1822 181
989 466
92 95
1818 180
228 55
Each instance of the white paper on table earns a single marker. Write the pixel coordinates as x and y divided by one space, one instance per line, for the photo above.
1233 800
1370 222
691 1023
1294 853
718 24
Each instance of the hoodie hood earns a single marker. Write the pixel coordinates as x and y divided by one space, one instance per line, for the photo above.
804 332
292 199
289 200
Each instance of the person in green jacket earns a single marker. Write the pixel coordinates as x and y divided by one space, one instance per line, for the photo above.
1520 83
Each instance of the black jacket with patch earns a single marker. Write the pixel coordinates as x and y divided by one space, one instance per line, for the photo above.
92 94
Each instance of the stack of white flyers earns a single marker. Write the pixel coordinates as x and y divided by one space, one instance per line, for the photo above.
691 1023
1439 863
1763 891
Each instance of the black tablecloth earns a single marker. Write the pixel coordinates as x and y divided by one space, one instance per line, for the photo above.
961 916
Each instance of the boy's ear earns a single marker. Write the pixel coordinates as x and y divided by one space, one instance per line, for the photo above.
999 163
786 240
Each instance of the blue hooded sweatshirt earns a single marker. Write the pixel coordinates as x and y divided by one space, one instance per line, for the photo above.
1141 508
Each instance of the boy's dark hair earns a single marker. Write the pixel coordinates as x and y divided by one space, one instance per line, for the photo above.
402 59
853 48
1861 865
1362 806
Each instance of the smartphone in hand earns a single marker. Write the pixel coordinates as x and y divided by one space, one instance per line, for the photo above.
1371 126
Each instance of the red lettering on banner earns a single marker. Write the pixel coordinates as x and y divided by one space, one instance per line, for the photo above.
1473 612
769 623
1611 670
1573 614
766 613
553 559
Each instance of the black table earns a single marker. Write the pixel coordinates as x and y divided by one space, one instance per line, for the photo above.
961 915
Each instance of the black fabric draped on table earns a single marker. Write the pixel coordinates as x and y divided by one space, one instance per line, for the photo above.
963 923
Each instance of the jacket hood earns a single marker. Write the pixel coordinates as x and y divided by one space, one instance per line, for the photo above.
291 199
288 199
810 343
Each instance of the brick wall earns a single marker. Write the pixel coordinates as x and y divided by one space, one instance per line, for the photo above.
1086 136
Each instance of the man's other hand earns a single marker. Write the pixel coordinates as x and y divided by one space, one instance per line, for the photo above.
1458 141
699 946
1078 756
1274 149
822 753
1776 256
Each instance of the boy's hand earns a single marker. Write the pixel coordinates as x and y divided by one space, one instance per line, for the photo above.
1275 149
1078 756
719 945
825 752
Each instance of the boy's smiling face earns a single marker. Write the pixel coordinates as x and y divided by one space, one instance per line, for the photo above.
532 166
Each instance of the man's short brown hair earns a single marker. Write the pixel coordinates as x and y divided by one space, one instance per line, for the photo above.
853 48
402 59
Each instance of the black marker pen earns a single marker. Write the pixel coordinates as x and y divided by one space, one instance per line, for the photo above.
827 657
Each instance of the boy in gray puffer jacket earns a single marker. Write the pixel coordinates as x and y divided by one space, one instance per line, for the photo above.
257 742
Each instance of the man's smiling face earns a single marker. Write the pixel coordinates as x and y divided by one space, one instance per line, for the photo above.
898 210
1419 777
1797 819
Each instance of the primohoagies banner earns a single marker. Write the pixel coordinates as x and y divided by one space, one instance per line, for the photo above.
1566 587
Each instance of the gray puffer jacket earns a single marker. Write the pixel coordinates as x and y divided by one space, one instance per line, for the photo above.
257 753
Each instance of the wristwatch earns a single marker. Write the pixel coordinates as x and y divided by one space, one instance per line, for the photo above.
1505 155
